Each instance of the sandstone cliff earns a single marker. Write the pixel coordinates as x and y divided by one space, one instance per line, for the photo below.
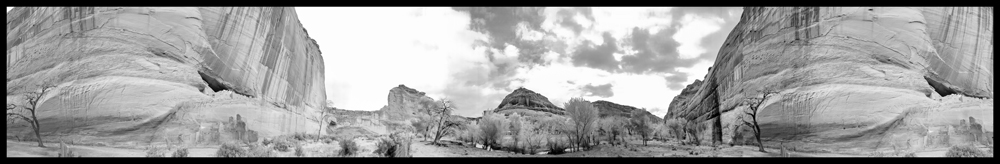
608 109
125 73
522 98
405 103
853 78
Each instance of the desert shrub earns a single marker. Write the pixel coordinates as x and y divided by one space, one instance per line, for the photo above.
257 150
180 153
396 145
556 146
386 147
230 150
298 152
266 142
282 145
910 155
348 148
964 151
156 152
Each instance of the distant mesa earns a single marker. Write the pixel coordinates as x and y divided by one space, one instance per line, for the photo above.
522 98
611 109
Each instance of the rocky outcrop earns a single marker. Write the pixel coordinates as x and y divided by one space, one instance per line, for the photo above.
522 98
117 68
405 103
609 109
850 77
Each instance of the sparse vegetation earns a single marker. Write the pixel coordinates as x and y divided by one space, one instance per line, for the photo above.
156 152
910 155
965 151
281 145
230 150
753 106
584 118
556 145
298 151
180 153
348 148
257 150
394 146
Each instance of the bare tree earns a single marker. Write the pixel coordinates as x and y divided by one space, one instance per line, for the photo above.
443 125
753 107
31 108
584 116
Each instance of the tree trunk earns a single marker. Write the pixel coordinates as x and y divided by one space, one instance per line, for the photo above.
757 127
37 128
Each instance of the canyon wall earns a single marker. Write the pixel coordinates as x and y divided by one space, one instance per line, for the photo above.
118 68
850 77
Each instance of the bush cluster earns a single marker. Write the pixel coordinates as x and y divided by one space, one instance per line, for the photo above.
348 148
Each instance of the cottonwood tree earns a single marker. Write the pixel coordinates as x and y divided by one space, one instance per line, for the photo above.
584 116
491 128
28 112
641 125
753 105
516 128
443 126
613 127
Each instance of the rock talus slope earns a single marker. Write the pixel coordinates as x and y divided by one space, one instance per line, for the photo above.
868 78
128 71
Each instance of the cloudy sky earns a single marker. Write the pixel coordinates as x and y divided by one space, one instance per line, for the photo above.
640 57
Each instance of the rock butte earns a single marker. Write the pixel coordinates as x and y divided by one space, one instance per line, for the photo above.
855 78
124 74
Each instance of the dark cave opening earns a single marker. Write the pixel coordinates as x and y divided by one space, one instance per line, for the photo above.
213 83
939 87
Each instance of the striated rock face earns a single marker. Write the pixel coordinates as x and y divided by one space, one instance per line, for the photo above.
523 98
405 103
851 77
607 109
118 68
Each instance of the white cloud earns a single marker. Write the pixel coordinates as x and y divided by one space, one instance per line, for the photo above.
368 51
554 81
619 21
8 9
693 29
698 71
